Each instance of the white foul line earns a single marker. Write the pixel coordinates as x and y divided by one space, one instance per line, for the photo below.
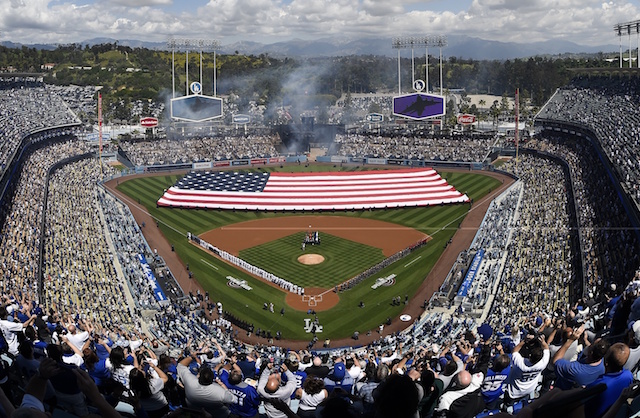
208 264
412 261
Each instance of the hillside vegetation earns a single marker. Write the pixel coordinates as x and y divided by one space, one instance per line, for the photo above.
130 74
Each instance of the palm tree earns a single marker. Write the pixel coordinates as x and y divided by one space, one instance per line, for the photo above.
494 110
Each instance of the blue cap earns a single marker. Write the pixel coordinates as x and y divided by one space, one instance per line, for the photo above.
485 331
338 371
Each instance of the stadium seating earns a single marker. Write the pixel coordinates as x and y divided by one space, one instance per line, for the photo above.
527 281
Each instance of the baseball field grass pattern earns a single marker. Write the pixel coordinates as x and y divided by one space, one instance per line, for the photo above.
439 222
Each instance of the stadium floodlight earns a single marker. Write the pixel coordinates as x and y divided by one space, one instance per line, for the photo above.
191 44
405 42
627 28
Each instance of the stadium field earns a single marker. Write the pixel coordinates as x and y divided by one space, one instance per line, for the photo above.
342 259
438 222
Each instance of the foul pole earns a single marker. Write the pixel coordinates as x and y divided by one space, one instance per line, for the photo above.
100 130
517 114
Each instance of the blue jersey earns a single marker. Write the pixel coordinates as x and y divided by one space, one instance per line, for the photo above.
248 400
300 377
100 372
493 384
102 351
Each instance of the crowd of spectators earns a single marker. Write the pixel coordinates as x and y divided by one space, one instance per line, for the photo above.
608 106
609 248
81 100
167 151
359 105
79 265
458 148
24 110
450 363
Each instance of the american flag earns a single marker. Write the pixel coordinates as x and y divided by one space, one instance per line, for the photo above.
311 191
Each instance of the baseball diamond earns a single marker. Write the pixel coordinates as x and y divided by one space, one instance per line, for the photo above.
385 231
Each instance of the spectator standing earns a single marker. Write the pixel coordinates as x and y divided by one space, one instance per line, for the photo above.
586 369
248 399
204 390
526 371
311 395
269 388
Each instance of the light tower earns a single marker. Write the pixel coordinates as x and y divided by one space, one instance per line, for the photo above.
627 29
420 105
412 42
185 44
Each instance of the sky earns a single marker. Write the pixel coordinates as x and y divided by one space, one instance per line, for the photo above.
585 22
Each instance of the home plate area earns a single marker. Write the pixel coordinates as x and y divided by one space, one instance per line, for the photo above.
312 300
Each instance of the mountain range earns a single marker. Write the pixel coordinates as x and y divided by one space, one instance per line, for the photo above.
464 47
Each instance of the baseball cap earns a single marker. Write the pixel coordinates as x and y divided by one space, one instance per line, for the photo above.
485 331
338 371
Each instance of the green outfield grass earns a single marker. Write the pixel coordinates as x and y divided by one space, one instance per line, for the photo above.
440 222
343 259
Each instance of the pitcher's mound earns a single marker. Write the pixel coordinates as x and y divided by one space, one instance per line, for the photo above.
310 259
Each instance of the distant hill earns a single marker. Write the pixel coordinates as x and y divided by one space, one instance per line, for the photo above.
458 46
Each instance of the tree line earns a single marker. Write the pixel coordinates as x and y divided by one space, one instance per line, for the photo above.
128 74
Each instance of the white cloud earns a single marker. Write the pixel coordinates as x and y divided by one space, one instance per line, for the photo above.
582 21
141 3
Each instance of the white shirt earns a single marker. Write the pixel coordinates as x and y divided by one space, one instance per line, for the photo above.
448 397
78 339
310 402
634 358
120 374
356 373
74 359
10 330
524 376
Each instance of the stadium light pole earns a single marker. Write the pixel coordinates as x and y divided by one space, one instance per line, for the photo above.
215 73
412 42
629 35
186 72
171 43
628 28
399 75
426 67
186 44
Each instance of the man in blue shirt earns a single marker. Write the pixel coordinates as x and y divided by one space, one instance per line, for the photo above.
493 385
589 367
248 398
247 364
616 380
339 378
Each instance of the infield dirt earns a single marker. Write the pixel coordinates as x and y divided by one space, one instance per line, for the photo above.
389 237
